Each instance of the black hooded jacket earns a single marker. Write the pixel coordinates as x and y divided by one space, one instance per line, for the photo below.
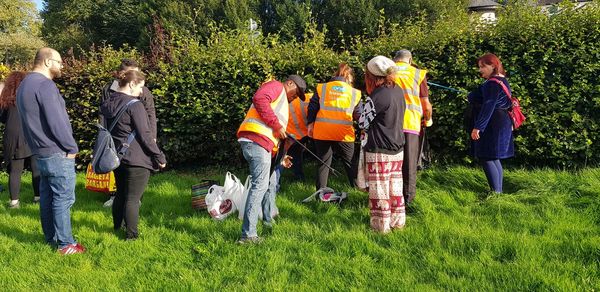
143 151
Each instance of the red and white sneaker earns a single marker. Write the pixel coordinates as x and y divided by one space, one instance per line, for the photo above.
72 249
81 247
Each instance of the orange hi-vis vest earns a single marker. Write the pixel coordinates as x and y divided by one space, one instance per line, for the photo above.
337 100
409 79
253 122
297 124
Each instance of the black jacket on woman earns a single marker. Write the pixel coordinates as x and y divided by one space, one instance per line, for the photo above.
143 151
14 143
385 134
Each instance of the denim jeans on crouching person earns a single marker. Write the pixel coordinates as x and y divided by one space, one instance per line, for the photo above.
262 190
57 195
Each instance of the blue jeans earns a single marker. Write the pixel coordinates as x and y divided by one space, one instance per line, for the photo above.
57 195
262 190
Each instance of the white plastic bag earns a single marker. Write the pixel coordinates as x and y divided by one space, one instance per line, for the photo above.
240 201
233 190
217 206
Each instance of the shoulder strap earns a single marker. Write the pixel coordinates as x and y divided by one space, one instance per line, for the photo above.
504 88
121 112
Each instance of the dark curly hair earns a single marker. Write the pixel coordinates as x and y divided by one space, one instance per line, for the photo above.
9 93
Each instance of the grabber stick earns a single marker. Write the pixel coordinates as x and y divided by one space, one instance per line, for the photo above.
333 171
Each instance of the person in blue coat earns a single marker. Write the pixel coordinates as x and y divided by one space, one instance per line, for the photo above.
492 133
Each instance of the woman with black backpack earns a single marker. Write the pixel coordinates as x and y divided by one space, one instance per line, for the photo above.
142 156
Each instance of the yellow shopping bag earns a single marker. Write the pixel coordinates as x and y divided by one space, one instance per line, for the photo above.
103 183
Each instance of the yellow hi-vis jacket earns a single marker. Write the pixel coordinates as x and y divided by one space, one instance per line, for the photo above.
253 122
409 78
297 124
337 100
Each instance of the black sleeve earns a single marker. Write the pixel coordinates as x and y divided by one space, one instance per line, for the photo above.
313 108
103 96
3 115
148 101
139 120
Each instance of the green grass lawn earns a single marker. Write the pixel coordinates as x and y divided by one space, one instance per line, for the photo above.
542 234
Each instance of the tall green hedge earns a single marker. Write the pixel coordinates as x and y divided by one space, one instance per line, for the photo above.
203 90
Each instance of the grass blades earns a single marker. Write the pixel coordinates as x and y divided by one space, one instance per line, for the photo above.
542 234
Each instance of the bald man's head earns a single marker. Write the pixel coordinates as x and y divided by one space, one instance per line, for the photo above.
48 62
403 55
43 54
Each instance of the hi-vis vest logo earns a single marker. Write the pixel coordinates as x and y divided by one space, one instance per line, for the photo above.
338 88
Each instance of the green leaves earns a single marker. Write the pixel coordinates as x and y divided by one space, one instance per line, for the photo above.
204 88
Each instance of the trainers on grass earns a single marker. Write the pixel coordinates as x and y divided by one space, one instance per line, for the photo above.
74 248
250 240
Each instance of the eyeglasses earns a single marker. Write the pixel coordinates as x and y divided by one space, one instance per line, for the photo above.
60 63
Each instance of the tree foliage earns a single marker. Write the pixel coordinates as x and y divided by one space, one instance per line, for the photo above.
203 89
81 23
19 31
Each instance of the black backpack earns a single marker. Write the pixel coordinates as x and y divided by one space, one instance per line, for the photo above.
106 158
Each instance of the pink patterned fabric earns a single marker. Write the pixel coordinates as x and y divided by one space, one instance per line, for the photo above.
386 202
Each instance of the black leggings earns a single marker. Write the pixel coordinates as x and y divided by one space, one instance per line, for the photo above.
325 151
131 182
15 170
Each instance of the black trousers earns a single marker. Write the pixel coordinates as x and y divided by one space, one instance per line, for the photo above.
297 153
131 182
15 170
409 167
325 151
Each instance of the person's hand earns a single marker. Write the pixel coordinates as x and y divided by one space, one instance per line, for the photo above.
286 161
310 127
475 134
162 165
72 155
427 109
280 134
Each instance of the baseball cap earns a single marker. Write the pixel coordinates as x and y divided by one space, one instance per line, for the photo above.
300 83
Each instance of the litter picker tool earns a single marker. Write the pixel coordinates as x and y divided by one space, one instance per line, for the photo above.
333 171
447 88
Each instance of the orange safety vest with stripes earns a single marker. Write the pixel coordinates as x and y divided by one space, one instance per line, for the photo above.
253 122
297 123
337 100
409 79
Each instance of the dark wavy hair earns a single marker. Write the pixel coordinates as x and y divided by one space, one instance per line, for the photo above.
9 93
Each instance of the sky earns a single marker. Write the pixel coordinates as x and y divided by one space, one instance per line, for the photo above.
39 4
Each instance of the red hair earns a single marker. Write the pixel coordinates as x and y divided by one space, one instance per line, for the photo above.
9 93
373 82
492 60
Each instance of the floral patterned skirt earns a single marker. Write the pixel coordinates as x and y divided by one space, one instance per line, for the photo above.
386 202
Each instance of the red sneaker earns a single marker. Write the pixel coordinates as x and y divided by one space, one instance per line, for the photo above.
81 247
72 249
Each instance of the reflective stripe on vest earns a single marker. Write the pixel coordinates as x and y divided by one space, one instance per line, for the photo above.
297 124
409 78
253 122
337 100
